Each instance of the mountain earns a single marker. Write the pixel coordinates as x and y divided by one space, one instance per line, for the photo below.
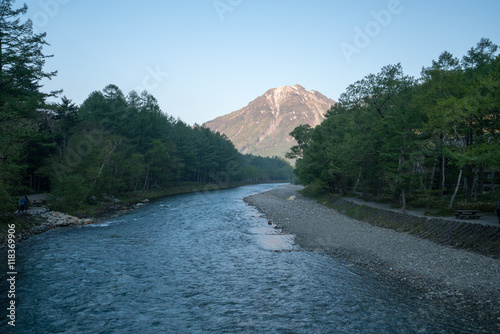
263 126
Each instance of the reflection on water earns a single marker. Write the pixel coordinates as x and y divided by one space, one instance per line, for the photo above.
272 239
204 262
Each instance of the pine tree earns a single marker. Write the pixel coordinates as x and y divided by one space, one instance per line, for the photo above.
21 73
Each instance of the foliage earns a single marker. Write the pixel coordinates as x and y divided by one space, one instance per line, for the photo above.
111 144
21 70
390 134
123 144
484 207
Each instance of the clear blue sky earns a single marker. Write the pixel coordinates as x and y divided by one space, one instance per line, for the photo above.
204 58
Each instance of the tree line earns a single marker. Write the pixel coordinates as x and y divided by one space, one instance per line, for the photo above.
111 144
429 140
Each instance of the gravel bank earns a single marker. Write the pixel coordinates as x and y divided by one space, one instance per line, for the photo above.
440 272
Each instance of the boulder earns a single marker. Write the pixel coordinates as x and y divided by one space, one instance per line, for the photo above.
61 219
62 222
89 221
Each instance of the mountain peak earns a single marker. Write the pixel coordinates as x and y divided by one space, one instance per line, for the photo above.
263 126
289 89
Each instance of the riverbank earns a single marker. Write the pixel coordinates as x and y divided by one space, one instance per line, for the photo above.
459 278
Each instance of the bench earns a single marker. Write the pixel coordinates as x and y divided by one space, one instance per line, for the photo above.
467 214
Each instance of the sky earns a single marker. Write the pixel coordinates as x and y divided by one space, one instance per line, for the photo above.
206 58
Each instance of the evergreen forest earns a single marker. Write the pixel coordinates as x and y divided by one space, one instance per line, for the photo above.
430 142
112 144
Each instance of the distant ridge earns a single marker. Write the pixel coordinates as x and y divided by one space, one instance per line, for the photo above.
263 126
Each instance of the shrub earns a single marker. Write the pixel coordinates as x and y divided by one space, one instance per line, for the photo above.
481 206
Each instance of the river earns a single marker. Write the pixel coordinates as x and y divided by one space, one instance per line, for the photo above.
203 262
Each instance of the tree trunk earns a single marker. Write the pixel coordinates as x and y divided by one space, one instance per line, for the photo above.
422 182
469 181
64 141
431 180
146 180
467 188
340 186
475 185
357 181
106 161
481 180
456 189
443 175
331 186
403 194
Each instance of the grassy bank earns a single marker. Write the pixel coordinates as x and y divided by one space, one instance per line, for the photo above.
478 238
23 223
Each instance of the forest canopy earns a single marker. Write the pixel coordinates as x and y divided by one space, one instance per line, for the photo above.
111 144
126 143
425 140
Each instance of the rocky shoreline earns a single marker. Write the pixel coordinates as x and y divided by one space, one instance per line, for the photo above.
52 219
48 220
465 281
